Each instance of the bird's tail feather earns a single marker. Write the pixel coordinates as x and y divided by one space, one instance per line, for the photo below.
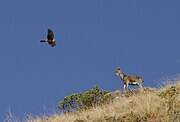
43 41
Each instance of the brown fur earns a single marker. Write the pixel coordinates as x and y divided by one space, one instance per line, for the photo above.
129 80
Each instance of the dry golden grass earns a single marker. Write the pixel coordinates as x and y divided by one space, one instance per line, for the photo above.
160 105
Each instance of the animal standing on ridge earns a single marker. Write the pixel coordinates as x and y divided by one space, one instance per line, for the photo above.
129 80
50 38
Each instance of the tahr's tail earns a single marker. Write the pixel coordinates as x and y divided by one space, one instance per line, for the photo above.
43 41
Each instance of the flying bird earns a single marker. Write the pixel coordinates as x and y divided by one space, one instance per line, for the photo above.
50 38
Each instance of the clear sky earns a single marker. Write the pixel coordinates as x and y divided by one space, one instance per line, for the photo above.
94 37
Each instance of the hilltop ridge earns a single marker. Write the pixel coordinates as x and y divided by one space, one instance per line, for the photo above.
151 104
157 105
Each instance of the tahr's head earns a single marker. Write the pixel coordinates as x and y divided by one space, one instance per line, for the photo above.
118 71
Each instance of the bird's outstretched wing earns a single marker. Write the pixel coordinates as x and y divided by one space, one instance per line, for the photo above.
50 35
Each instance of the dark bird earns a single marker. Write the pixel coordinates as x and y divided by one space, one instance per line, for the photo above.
50 38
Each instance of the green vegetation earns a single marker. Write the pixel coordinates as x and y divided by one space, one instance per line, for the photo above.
95 96
170 96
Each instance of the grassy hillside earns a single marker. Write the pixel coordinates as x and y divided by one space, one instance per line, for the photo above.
152 105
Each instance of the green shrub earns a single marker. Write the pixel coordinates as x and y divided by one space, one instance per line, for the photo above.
95 96
170 96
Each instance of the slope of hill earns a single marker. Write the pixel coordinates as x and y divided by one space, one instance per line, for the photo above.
157 105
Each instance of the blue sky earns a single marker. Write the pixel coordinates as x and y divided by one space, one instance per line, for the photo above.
93 38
